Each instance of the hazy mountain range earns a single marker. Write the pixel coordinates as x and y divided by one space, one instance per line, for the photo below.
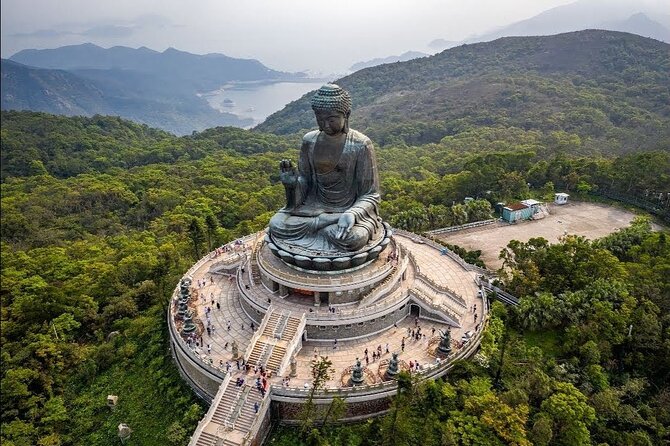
156 88
628 17
588 14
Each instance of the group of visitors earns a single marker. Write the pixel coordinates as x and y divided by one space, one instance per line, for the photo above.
376 353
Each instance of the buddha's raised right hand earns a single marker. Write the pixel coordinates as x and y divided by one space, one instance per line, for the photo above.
287 173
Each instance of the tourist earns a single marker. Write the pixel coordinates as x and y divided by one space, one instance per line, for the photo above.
218 306
256 407
475 317
387 347
237 363
432 333
334 344
209 349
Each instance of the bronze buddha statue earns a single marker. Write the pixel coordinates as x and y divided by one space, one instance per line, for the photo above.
332 199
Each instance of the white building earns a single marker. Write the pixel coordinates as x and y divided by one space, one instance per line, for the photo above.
561 198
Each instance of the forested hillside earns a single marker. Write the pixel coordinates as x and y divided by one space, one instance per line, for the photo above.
101 216
610 90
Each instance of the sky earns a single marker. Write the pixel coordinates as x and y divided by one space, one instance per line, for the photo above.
289 35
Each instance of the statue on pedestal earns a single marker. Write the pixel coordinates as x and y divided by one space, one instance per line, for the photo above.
357 377
235 349
444 347
332 198
392 369
294 367
189 327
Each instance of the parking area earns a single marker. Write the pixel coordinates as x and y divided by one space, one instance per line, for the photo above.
586 219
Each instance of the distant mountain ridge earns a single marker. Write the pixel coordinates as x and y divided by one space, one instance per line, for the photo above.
202 72
408 55
611 89
155 88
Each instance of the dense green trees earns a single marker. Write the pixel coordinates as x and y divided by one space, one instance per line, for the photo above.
100 217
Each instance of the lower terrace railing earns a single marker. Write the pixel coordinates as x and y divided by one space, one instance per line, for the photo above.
183 345
500 294
449 229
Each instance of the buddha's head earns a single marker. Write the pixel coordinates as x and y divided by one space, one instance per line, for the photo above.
332 107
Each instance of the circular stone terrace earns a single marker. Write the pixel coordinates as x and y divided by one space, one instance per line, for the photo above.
425 286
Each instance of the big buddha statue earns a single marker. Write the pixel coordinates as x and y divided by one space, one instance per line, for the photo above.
332 198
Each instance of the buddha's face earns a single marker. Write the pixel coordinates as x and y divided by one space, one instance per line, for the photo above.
330 121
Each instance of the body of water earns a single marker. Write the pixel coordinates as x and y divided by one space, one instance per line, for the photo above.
258 100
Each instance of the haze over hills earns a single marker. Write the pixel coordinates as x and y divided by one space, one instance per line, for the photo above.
610 88
158 89
588 14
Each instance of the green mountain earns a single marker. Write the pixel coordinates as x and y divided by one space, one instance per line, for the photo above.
611 89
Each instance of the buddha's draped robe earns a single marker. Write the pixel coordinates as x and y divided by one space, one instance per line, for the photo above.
352 185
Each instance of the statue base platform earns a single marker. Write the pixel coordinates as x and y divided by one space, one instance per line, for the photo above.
310 260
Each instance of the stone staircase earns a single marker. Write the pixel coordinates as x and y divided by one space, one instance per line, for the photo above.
230 417
270 348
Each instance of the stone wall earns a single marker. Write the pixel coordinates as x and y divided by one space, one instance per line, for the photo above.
289 412
352 329
252 312
264 430
203 382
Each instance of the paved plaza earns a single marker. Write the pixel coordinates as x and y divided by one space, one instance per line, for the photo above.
230 322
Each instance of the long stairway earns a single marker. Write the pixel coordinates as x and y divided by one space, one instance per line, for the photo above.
231 416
